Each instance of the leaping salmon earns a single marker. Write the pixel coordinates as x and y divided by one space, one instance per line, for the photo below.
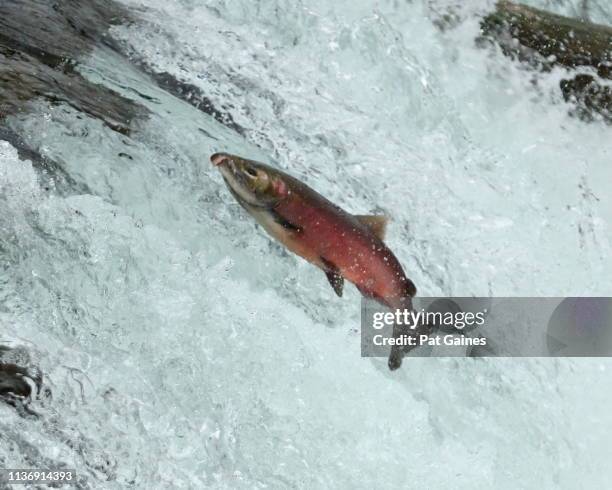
343 245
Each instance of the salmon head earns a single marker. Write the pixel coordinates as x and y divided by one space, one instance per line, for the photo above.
252 183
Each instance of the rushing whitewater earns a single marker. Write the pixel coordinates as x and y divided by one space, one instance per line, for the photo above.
184 349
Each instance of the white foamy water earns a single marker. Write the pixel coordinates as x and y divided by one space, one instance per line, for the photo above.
184 349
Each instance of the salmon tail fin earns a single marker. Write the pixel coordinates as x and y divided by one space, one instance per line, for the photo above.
398 352
395 357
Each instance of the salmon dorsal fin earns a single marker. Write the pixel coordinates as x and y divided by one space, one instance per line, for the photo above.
375 222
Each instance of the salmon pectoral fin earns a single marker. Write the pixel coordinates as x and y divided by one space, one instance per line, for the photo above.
333 276
377 223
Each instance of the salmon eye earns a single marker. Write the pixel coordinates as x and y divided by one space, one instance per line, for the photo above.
251 171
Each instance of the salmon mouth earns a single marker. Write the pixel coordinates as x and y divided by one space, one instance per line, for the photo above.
218 159
226 165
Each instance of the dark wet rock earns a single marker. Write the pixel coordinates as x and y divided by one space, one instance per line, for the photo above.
544 40
560 40
57 31
13 381
20 380
23 78
40 45
192 95
51 173
591 98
